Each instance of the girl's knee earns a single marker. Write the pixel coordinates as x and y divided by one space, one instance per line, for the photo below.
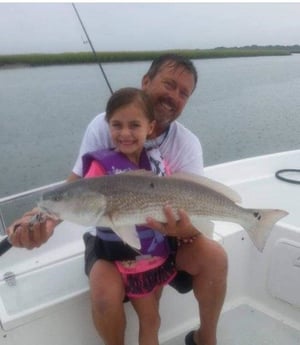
150 321
106 288
214 255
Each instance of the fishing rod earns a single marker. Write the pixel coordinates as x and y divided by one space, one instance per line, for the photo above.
5 243
93 50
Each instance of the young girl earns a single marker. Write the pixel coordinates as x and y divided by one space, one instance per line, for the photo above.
130 118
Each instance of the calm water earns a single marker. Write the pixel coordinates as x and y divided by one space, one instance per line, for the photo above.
241 108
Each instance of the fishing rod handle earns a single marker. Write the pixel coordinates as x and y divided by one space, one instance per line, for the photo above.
5 245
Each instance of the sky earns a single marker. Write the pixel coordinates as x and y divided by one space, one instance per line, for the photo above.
129 26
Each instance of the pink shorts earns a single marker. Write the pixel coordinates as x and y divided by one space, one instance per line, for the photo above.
143 276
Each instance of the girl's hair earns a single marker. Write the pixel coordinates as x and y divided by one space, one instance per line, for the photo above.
126 96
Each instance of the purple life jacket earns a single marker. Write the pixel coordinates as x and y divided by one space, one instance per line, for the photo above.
114 162
152 242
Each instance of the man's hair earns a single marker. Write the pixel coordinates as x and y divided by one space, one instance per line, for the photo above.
174 60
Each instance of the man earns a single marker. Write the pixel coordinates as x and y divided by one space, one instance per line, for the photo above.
202 263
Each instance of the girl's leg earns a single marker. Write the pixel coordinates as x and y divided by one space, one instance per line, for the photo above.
107 295
147 309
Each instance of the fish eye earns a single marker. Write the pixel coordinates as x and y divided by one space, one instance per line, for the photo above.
57 197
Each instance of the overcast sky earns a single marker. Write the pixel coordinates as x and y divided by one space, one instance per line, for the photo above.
54 27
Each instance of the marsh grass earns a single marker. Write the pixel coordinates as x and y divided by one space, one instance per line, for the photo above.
127 56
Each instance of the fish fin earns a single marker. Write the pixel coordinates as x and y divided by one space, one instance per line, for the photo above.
205 227
260 231
128 234
207 182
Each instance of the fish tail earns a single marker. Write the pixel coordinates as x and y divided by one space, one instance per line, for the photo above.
260 230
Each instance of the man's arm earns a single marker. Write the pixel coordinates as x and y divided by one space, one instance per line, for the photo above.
95 137
22 233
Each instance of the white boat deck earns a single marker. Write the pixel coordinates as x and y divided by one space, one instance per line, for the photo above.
254 179
246 325
49 303
275 194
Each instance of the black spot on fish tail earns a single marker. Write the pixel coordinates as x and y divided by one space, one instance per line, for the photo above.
257 215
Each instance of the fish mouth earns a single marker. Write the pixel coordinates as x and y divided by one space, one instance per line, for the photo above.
47 212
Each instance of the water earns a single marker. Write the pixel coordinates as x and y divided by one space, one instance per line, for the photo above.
242 107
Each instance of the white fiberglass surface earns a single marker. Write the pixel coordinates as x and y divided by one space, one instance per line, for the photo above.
245 325
271 193
43 286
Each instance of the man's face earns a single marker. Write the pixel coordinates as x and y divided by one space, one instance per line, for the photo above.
169 90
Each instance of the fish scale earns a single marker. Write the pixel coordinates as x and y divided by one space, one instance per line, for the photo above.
124 200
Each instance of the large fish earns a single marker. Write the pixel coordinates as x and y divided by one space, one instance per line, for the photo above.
124 200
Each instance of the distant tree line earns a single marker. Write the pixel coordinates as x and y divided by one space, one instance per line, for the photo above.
126 56
291 49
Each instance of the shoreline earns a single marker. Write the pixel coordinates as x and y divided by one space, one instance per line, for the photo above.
68 58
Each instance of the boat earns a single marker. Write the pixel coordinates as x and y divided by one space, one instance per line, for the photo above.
45 294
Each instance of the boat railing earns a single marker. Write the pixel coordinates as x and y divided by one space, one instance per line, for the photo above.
14 206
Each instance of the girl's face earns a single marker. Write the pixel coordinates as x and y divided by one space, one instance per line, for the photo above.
129 128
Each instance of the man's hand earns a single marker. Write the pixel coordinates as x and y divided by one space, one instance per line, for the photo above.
182 228
25 234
